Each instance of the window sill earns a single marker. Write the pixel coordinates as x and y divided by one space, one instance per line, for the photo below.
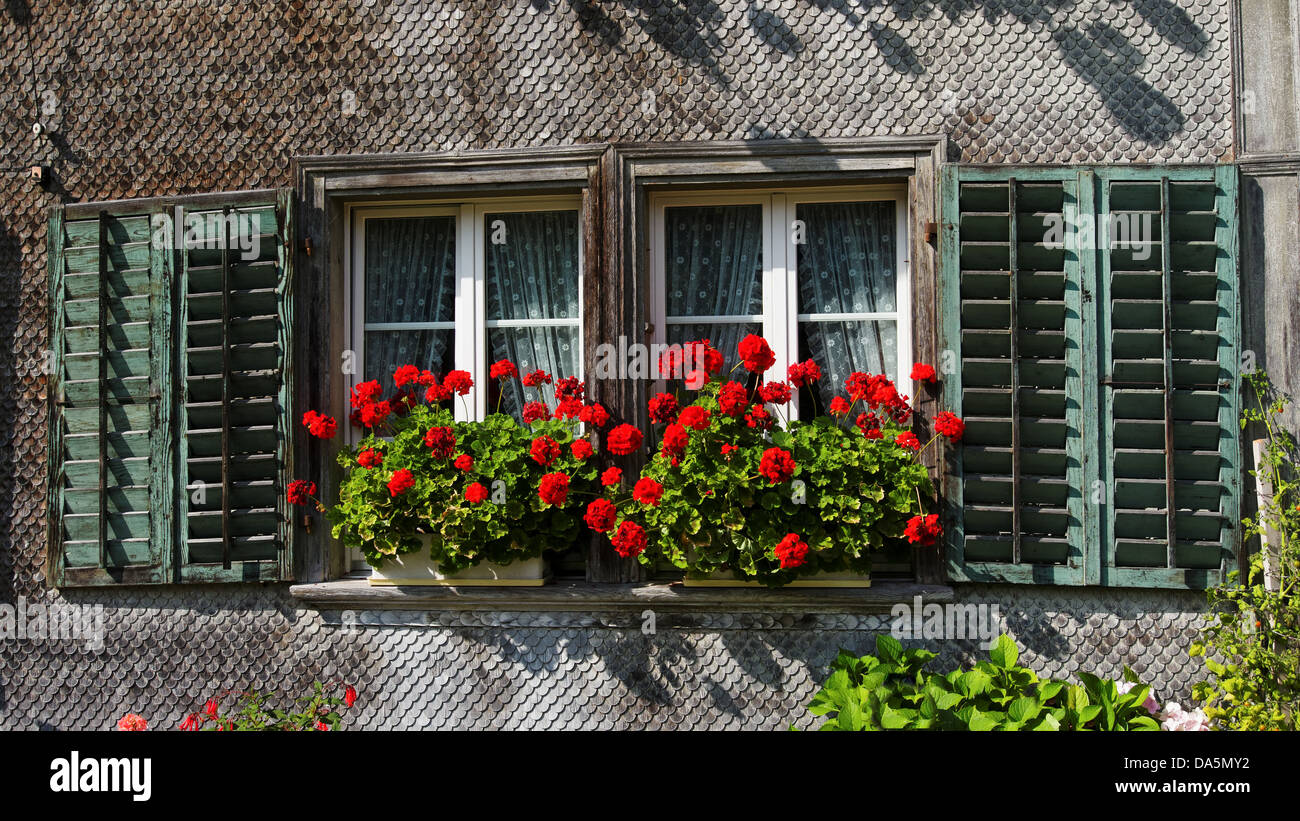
358 594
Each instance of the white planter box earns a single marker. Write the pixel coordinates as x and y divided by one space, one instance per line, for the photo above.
724 578
418 569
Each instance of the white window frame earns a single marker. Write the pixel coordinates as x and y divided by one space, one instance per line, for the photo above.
779 317
470 306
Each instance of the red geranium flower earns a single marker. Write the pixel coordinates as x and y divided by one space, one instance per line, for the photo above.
401 482
923 530
777 465
804 373
544 451
733 399
839 406
458 382
536 378
476 493
503 369
758 417
647 491
875 433
375 412
675 440
694 417
570 407
437 393
756 354
581 450
301 491
554 489
949 425
570 388
365 393
600 515
776 393
370 458
611 477
922 372
908 440
630 540
726 449
663 408
464 462
535 411
441 441
427 378
594 414
320 425
405 374
792 552
624 439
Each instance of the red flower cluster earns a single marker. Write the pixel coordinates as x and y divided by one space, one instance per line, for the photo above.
624 439
569 407
908 440
441 441
459 382
878 392
923 530
804 373
775 393
594 414
839 406
756 354
647 491
370 458
949 425
365 393
372 413
544 451
301 491
791 551
536 378
554 489
405 375
733 399
663 408
601 515
503 369
694 417
464 462
758 417
570 388
922 372
675 441
777 465
476 493
630 540
320 425
581 450
535 412
611 477
401 482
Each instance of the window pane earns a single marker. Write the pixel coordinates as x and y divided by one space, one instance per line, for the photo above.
410 269
840 348
847 263
532 265
556 350
386 351
713 260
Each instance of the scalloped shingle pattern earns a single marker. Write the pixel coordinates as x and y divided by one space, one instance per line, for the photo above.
187 96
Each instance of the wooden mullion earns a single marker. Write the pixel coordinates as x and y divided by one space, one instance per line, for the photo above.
1013 293
1167 335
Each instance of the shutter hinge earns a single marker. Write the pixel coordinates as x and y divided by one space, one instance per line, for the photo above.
306 245
306 522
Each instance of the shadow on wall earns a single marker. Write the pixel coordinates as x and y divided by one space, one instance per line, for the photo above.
12 371
1107 59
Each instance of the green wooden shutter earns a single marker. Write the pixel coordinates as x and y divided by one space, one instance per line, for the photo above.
1061 374
193 424
234 521
1169 352
109 426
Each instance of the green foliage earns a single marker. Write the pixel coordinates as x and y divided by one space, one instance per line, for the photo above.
513 524
255 712
849 496
892 691
1251 643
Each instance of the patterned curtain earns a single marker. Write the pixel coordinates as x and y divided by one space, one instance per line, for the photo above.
532 275
847 266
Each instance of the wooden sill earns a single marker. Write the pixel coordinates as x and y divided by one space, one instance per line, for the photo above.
358 594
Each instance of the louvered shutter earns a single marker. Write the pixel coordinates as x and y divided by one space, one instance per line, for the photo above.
109 369
194 337
1055 318
1169 354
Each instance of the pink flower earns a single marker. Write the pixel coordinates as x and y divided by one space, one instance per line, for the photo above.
132 722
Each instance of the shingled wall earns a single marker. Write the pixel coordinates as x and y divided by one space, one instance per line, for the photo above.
151 98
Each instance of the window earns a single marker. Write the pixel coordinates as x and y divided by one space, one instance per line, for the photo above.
1094 320
821 273
459 286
